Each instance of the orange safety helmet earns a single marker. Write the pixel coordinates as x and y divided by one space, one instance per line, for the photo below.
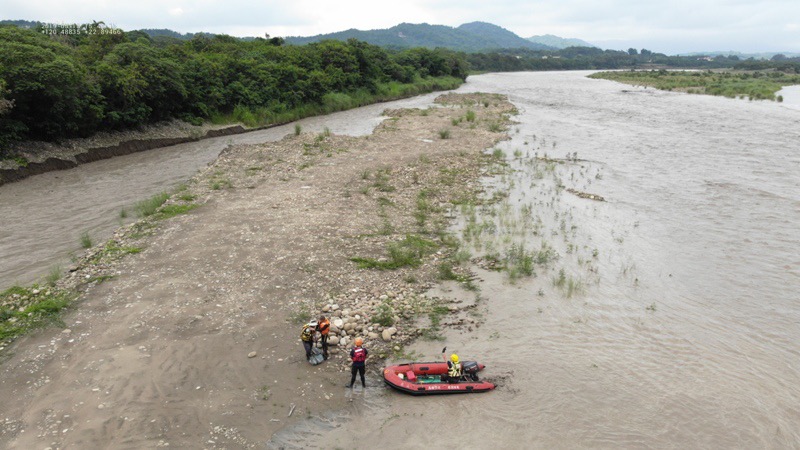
359 342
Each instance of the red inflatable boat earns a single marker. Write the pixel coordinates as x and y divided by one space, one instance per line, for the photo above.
424 378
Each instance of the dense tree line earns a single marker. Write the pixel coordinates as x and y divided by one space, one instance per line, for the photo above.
587 58
65 85
592 58
786 65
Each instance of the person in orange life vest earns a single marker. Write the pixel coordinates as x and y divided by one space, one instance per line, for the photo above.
359 355
323 326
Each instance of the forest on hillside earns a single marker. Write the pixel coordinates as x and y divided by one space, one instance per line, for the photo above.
60 85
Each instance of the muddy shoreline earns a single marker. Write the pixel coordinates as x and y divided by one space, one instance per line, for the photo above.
159 348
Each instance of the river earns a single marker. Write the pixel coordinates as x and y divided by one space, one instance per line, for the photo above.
682 326
676 323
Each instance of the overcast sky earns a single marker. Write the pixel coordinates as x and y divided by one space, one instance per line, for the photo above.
670 27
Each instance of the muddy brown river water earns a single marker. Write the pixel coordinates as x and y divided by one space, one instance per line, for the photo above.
677 321
670 319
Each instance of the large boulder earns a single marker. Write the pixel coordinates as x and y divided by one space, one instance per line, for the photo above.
388 333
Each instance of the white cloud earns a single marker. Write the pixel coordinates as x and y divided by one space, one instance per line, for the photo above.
758 24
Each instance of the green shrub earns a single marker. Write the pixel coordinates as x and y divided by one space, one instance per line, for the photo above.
384 315
86 240
406 253
149 206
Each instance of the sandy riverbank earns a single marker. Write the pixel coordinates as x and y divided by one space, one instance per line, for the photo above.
158 354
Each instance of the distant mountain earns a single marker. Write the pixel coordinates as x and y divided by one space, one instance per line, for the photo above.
559 42
470 37
498 37
763 55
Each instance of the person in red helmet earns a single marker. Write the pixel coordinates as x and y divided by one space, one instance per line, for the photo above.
359 356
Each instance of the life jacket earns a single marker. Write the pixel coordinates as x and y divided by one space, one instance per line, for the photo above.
308 334
324 327
359 354
454 371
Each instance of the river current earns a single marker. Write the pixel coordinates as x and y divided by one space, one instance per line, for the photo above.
676 322
670 317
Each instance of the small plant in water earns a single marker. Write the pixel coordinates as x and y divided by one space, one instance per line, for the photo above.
54 275
561 280
297 129
86 240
